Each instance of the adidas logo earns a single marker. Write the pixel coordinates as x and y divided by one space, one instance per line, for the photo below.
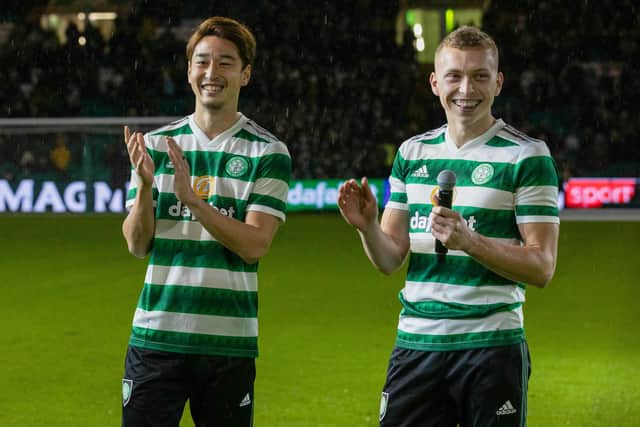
506 409
422 172
245 401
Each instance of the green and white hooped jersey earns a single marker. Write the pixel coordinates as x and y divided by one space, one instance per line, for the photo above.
504 178
198 296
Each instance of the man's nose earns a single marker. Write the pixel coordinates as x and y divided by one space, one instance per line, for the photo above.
211 70
466 86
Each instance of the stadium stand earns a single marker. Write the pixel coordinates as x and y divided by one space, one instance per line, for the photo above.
332 83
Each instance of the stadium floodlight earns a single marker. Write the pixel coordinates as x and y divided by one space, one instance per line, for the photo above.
102 16
417 30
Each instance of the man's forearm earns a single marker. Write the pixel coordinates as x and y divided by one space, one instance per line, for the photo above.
384 253
533 265
246 240
138 227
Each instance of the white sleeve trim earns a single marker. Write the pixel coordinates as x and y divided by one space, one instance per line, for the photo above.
525 219
265 209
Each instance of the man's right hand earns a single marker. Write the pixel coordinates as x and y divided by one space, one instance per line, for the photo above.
139 157
357 204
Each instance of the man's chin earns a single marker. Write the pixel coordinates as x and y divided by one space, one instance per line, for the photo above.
212 104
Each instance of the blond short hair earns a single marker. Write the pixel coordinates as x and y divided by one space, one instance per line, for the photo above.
467 37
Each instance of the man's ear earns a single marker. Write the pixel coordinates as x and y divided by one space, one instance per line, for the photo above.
433 81
246 75
499 83
189 71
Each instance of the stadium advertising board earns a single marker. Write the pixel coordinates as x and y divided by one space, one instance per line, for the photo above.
601 192
33 196
322 194
36 196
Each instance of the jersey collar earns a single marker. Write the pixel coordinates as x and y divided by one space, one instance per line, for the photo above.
480 140
204 139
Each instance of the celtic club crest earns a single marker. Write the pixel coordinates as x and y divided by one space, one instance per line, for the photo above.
482 174
237 166
384 401
127 388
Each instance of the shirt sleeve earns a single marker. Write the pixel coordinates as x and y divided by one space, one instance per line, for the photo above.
271 187
536 179
397 182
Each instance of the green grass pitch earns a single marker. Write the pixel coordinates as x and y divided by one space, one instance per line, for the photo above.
68 289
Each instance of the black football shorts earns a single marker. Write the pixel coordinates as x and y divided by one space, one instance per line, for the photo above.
157 384
483 387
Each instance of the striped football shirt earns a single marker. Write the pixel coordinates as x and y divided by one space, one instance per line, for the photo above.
199 297
504 178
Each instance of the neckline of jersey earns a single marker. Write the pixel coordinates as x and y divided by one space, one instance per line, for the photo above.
480 140
222 136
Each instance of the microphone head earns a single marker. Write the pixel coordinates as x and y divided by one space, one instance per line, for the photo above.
446 180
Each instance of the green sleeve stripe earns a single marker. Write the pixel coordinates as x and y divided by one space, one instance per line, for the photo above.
459 341
535 171
456 270
528 210
199 300
276 166
452 310
194 343
189 253
264 200
398 170
398 197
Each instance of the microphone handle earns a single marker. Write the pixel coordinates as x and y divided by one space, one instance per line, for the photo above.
445 199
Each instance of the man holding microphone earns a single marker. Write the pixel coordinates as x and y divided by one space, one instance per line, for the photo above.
460 355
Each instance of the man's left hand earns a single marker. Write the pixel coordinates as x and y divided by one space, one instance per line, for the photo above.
181 174
450 228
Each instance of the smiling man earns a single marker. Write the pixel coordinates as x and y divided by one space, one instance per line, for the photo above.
461 356
208 193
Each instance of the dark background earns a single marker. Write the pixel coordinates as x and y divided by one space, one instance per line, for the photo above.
331 81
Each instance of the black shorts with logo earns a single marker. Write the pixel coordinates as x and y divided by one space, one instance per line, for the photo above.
472 388
157 384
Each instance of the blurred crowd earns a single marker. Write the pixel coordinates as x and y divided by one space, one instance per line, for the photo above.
569 80
331 81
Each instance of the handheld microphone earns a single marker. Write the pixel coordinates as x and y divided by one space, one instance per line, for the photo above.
446 181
